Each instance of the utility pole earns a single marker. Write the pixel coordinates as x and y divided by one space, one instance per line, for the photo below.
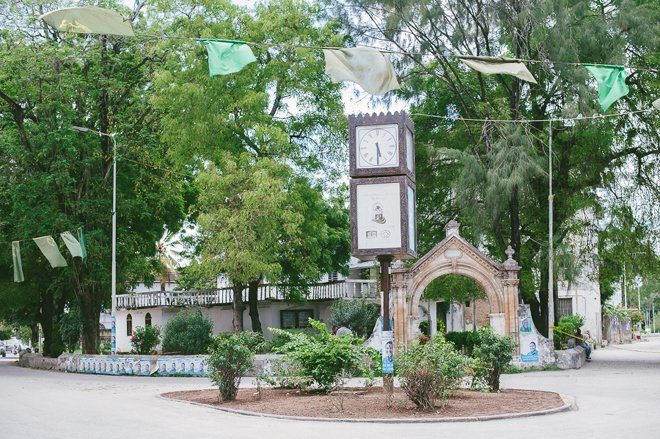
625 291
551 281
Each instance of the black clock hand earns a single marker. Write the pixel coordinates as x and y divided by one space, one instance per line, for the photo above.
377 153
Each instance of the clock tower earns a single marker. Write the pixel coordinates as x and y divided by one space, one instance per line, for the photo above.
382 168
381 145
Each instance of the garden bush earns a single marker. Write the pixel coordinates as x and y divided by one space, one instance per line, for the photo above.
189 332
145 339
430 371
283 336
464 341
493 354
230 357
567 325
324 358
356 314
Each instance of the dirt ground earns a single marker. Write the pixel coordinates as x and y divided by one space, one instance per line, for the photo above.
372 403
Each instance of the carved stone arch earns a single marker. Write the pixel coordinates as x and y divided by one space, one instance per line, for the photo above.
454 255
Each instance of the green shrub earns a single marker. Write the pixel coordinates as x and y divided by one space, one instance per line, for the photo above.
430 371
145 339
230 357
464 341
189 332
493 353
566 328
355 314
283 336
324 358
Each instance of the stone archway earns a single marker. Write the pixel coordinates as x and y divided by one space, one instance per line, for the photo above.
454 255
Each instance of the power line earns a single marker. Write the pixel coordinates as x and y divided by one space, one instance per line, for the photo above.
554 119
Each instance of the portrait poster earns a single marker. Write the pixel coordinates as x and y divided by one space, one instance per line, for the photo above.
378 215
387 351
529 341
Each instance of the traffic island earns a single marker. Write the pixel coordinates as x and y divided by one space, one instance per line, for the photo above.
371 405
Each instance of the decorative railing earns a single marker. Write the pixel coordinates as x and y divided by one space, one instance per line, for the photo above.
350 288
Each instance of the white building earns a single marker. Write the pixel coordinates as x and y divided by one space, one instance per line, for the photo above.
155 306
581 295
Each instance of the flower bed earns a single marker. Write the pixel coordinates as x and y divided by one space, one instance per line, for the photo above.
371 403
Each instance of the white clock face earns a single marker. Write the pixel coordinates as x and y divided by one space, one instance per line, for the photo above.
377 146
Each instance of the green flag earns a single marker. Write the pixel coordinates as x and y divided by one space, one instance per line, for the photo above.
49 248
611 83
18 265
72 244
82 241
227 57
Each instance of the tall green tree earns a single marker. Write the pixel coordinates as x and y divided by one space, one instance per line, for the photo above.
259 221
493 176
55 179
282 106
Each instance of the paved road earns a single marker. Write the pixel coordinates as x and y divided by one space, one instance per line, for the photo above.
618 395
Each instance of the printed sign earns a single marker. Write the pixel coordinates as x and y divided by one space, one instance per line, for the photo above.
182 366
378 216
528 341
387 351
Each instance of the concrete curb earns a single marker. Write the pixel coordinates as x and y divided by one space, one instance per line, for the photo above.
569 405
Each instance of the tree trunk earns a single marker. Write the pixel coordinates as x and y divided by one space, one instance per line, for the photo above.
253 301
52 343
238 307
34 335
89 312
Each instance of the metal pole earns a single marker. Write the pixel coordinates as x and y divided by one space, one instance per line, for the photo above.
113 300
388 381
625 290
551 283
653 312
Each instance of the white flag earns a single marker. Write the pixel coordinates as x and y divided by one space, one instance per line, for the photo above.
492 65
365 66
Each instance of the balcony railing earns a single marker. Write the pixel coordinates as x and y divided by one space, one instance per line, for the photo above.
350 288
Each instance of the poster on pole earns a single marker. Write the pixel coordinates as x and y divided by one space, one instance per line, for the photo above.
387 351
528 341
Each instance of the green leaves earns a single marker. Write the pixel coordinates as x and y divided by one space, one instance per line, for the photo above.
324 357
229 359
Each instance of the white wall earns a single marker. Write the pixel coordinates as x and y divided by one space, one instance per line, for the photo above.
585 299
221 316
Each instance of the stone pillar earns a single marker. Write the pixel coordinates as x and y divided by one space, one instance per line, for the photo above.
433 312
400 311
510 283
498 323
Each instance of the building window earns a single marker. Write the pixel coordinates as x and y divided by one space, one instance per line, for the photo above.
147 320
298 318
129 325
565 307
333 277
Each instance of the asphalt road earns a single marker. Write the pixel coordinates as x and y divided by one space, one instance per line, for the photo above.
618 395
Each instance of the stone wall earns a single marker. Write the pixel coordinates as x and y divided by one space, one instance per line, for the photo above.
140 365
573 358
37 361
617 330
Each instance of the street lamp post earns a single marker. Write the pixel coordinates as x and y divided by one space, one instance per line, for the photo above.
113 286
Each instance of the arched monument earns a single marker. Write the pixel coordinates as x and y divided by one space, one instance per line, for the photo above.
454 255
